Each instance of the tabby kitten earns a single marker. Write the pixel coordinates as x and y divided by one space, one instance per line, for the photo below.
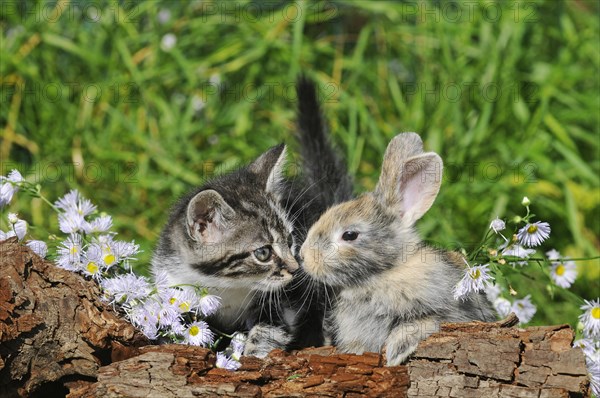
239 234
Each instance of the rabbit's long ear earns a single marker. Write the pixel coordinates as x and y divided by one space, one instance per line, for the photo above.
410 180
399 150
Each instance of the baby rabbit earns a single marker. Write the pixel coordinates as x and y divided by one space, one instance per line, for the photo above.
392 290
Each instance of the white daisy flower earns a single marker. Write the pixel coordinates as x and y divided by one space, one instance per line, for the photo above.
125 250
115 251
178 327
497 225
168 316
162 313
92 263
209 304
225 362
591 318
71 221
524 309
9 186
564 273
145 317
74 202
502 306
38 247
238 342
100 224
69 253
161 280
519 251
126 288
198 333
69 201
553 254
183 300
476 278
107 245
532 235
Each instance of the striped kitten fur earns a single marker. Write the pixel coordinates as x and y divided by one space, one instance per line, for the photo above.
239 235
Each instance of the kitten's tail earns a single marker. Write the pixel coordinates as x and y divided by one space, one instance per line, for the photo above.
323 167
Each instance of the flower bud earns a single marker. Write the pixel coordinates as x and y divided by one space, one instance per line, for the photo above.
12 218
525 202
497 225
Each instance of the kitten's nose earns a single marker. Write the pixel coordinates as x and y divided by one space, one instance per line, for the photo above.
288 261
292 265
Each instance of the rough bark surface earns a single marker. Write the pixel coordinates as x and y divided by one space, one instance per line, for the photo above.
56 337
53 327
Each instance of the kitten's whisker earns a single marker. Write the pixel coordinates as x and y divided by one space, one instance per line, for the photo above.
305 191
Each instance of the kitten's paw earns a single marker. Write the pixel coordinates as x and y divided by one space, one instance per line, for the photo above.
263 338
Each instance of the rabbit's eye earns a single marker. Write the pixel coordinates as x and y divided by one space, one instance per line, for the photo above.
349 235
263 254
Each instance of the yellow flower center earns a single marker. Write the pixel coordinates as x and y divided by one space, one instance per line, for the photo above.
184 306
73 250
560 270
92 267
596 312
194 330
109 259
532 229
172 300
475 274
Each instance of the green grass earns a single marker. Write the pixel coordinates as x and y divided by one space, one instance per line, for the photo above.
508 98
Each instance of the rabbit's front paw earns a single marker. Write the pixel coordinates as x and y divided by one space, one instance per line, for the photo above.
405 337
397 352
263 338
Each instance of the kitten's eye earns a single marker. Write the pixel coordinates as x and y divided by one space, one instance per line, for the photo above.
349 235
263 253
290 241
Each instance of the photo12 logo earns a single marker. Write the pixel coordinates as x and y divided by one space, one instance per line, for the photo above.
52 92
88 172
267 11
84 11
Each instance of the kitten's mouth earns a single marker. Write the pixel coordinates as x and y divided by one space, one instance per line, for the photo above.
276 280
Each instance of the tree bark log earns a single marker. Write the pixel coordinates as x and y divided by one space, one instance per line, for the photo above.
58 338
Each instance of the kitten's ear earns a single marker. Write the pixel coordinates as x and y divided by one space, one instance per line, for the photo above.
207 217
270 167
410 180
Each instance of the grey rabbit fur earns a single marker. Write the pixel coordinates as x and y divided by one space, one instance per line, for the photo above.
392 289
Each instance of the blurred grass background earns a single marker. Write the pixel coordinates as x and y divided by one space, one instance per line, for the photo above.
133 103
